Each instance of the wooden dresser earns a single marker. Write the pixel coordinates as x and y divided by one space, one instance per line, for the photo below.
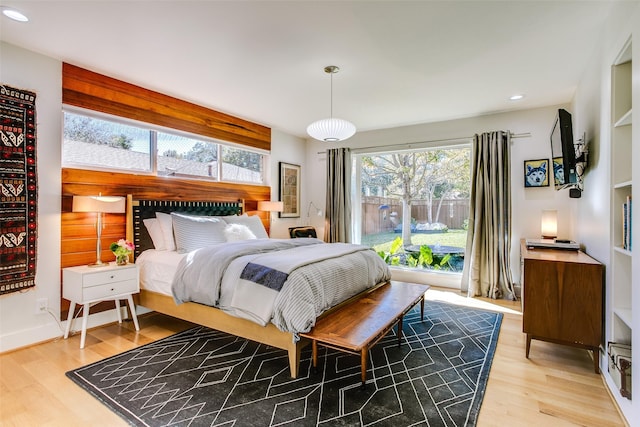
562 297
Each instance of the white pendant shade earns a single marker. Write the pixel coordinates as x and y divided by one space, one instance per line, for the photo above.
331 130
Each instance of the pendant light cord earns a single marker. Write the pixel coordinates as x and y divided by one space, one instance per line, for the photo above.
331 98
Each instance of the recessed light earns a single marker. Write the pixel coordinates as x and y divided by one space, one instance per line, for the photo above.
516 97
14 14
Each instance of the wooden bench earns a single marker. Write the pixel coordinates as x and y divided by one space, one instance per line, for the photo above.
358 325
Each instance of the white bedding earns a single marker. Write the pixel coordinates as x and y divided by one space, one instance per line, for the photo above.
326 275
157 269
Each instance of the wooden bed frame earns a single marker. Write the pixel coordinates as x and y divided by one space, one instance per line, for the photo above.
214 318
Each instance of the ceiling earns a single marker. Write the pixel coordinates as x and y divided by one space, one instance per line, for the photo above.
401 62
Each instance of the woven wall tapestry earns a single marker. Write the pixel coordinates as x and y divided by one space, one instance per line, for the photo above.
18 177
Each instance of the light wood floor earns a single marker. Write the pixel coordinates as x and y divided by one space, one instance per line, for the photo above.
555 387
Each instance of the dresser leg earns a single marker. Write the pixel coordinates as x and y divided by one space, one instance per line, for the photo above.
85 317
596 359
528 345
72 308
132 308
118 313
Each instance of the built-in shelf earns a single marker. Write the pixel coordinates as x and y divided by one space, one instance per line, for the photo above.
625 120
620 301
622 250
625 315
625 184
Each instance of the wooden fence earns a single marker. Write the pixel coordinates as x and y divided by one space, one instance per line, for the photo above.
383 214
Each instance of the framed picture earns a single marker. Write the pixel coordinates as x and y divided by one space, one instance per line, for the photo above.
536 173
290 190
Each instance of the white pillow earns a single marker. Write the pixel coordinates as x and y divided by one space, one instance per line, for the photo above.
234 232
193 232
155 232
166 224
253 222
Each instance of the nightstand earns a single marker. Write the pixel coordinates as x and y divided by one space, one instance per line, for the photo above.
87 285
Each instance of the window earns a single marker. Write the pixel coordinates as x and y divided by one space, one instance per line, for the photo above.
93 141
90 141
426 189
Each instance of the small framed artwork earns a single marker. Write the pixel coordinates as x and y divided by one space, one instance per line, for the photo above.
290 190
536 173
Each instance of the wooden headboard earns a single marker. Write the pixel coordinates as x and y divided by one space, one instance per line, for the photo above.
139 210
78 240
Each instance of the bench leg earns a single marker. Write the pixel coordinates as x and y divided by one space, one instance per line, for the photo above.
400 330
422 308
314 354
363 366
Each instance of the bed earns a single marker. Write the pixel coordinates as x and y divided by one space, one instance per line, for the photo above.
164 281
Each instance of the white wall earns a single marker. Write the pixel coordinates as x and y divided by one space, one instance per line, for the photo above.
527 203
19 323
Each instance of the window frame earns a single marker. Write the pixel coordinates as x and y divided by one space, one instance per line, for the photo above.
447 279
153 148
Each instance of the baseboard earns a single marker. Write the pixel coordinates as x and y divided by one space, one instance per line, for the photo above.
53 330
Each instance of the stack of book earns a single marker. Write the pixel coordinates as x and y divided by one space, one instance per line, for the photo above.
626 224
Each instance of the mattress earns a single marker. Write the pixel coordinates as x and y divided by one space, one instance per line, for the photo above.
157 269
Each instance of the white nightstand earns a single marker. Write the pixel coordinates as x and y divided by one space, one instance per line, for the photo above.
87 285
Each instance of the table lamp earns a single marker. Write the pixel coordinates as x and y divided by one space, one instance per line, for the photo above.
270 206
99 205
549 224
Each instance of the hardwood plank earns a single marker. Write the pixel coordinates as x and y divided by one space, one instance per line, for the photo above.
556 387
93 91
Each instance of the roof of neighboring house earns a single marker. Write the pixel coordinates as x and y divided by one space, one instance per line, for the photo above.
84 153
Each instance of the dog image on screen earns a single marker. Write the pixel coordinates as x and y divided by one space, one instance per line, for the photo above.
558 171
536 175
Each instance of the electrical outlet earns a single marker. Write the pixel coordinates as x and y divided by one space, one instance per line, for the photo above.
42 305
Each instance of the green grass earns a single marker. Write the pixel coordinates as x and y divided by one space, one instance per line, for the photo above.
382 241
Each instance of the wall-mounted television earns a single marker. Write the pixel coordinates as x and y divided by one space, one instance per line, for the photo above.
563 151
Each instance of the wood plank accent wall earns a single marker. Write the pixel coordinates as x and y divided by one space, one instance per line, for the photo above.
93 91
78 234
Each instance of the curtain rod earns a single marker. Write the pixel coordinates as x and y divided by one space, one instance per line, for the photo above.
410 144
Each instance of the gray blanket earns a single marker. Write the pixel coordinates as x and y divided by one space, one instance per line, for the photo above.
317 276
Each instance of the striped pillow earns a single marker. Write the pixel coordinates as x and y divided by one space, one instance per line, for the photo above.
195 232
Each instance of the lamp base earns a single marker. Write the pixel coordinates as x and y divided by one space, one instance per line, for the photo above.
98 264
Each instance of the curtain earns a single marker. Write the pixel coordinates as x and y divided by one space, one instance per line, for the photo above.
487 270
338 205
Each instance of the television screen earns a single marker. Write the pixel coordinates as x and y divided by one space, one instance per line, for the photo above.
563 152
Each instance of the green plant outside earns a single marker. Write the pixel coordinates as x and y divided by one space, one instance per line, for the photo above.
394 253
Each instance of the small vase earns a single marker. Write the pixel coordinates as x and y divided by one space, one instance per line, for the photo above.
122 259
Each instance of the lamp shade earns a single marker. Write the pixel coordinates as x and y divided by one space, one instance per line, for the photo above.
331 130
549 224
269 206
104 204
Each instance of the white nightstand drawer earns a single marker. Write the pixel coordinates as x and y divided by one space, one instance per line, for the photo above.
110 290
109 276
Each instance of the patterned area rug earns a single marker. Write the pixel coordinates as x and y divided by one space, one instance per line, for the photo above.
198 377
18 219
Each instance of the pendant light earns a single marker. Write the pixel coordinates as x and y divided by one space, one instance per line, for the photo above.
331 129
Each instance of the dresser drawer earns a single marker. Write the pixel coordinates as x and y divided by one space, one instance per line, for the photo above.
110 290
109 276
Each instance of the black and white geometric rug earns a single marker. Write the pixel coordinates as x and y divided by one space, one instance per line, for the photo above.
202 377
